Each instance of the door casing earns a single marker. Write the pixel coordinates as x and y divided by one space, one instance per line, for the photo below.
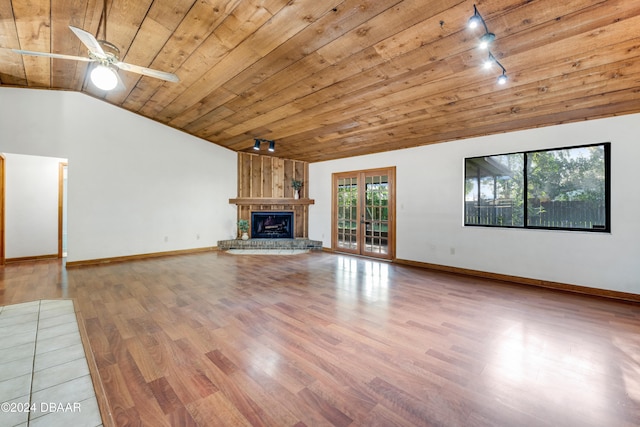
360 177
61 206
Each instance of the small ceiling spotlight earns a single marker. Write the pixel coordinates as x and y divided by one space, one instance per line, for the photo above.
256 146
490 61
502 79
476 19
486 39
272 146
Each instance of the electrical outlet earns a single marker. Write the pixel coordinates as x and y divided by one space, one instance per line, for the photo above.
166 238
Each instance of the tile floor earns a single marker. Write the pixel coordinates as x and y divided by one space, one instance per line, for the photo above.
267 251
44 376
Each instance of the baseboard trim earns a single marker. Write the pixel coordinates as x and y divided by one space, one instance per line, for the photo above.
30 258
585 290
139 256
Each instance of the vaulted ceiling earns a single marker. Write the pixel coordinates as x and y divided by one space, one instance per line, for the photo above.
333 79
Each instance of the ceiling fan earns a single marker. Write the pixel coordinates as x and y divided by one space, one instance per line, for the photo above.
105 55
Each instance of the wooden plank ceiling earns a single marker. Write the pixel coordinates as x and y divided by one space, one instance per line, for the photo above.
334 79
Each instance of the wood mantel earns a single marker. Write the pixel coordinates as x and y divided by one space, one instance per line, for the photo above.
245 201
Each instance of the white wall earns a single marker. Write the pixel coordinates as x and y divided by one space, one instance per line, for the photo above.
31 205
430 209
135 186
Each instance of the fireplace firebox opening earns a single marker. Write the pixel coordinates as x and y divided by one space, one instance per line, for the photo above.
272 225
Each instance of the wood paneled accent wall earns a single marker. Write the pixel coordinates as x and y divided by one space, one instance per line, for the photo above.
264 184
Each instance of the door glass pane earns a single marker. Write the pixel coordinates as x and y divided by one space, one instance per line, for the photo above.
376 214
347 213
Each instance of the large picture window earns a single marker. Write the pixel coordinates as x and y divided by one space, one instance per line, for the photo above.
563 188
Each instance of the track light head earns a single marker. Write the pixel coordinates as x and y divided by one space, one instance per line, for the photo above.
488 63
502 79
486 39
272 146
475 20
256 146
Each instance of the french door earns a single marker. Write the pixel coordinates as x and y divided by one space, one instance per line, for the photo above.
363 212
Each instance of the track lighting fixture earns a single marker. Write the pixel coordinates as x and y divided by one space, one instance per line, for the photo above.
258 141
485 41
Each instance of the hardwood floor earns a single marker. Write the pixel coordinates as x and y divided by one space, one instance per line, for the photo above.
319 339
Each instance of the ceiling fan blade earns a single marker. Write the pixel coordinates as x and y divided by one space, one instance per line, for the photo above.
170 77
89 41
52 55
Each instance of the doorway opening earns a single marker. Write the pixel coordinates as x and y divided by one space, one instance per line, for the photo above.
33 207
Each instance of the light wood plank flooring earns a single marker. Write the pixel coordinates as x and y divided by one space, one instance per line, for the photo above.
319 339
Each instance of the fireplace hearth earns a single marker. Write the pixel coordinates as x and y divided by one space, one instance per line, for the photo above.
270 244
272 225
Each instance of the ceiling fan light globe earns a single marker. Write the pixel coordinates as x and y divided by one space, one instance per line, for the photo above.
104 77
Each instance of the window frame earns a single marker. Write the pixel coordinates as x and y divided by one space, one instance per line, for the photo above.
525 185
